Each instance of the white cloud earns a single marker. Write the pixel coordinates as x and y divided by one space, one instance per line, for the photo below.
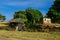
24 3
17 3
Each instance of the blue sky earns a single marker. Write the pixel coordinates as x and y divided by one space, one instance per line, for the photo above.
8 7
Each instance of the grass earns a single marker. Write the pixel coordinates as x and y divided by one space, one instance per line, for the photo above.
22 35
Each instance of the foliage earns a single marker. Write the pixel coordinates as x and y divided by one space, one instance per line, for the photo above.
32 27
33 15
2 18
21 15
54 12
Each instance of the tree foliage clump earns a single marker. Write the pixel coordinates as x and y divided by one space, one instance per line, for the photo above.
33 15
30 14
20 14
54 12
2 18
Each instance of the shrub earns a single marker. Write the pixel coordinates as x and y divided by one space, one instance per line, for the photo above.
32 27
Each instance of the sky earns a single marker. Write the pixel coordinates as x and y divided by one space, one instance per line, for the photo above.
9 7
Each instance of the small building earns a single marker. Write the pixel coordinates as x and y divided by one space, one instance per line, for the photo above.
46 21
17 24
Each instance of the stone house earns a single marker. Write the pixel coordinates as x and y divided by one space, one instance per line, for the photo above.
17 24
46 21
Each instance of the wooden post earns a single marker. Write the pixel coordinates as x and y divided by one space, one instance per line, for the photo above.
16 28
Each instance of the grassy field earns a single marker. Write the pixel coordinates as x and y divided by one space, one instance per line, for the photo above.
19 35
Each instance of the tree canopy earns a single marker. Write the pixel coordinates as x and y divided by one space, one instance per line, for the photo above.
30 14
33 15
2 18
20 15
54 12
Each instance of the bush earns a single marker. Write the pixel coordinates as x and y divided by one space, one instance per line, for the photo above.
33 27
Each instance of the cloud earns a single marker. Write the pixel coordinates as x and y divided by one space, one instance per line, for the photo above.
32 3
17 4
26 3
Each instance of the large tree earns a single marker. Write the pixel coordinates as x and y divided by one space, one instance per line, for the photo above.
20 15
54 12
33 15
2 18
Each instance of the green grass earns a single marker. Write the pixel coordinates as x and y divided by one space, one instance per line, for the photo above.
22 35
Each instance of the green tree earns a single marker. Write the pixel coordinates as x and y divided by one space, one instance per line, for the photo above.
2 18
54 12
33 15
21 15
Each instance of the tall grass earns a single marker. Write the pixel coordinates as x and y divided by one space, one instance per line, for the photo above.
23 35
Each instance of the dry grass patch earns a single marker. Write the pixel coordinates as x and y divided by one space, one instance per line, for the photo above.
19 35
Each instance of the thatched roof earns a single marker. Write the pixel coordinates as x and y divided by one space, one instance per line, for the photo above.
18 20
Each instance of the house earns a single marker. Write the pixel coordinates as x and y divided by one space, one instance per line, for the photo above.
17 24
46 21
